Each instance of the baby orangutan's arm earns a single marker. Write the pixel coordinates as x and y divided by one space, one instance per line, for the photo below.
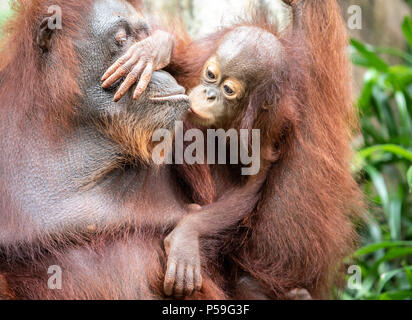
183 274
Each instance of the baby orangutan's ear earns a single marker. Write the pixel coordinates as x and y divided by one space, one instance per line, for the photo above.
45 34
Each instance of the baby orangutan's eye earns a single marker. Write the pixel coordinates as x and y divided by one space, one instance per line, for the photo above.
212 71
229 91
233 89
210 75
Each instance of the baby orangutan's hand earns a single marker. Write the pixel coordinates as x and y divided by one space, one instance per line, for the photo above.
183 274
139 62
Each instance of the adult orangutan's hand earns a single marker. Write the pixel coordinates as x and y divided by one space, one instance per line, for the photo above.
139 62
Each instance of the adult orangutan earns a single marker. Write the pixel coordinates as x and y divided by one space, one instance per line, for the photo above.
80 191
77 189
295 87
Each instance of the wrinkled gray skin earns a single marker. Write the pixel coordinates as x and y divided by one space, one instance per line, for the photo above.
45 182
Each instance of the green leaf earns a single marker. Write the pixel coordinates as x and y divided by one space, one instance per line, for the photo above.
404 114
407 29
394 211
409 178
385 277
367 57
379 183
396 295
369 81
409 276
391 148
395 253
401 74
381 245
394 52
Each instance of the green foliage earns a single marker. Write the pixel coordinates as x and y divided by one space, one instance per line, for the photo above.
385 161
4 14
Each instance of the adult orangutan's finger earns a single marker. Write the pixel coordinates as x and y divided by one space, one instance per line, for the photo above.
180 280
120 72
170 278
144 80
130 80
121 61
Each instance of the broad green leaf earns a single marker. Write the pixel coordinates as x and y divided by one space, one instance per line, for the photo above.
394 149
360 60
396 295
368 83
370 59
394 52
409 276
394 217
379 183
381 245
395 253
404 114
407 29
399 76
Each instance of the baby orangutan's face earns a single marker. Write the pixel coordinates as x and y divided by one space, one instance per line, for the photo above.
216 99
240 63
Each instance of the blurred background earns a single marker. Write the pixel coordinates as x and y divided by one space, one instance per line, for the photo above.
382 58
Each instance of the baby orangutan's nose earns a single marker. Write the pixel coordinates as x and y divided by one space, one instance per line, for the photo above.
211 94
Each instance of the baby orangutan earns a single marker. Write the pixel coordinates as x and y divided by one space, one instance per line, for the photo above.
232 92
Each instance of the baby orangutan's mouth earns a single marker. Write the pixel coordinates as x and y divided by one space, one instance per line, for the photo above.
198 119
193 112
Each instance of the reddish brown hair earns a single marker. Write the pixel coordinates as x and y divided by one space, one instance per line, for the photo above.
303 226
48 88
